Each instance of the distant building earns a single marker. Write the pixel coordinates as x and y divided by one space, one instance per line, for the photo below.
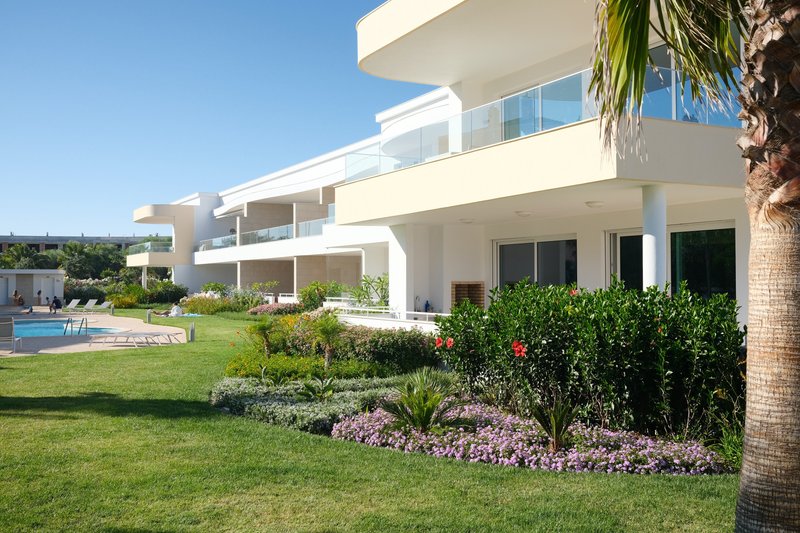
52 242
35 286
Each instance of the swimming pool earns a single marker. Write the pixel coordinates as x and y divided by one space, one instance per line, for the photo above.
53 328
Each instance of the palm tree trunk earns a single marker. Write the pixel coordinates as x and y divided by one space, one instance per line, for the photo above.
328 356
769 493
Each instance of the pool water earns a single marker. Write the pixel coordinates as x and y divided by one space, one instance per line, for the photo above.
52 328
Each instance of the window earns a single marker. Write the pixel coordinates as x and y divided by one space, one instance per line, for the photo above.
545 262
630 261
706 260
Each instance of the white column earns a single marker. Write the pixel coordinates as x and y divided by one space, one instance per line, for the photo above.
654 236
401 269
144 277
455 123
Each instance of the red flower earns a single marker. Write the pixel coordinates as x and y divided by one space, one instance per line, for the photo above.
438 342
519 349
573 292
449 342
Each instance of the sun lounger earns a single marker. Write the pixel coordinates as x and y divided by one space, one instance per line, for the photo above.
105 306
72 305
148 338
88 307
7 333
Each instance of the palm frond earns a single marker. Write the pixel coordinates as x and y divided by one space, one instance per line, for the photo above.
699 35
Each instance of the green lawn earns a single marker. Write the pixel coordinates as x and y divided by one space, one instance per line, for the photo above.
126 441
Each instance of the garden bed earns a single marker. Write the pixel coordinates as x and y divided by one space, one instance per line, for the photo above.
509 440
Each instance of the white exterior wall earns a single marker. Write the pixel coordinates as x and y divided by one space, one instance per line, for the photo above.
195 276
375 260
425 264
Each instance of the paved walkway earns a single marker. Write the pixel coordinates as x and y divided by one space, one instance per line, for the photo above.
134 328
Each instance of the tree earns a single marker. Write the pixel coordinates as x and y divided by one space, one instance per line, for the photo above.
19 254
327 329
700 37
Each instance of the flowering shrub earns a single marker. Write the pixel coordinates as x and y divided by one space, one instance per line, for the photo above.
641 360
275 309
513 441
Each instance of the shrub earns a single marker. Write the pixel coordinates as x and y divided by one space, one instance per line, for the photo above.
372 291
136 291
353 368
214 286
312 295
166 292
400 350
123 301
424 401
206 305
317 389
84 292
555 421
646 360
248 363
285 406
275 309
281 367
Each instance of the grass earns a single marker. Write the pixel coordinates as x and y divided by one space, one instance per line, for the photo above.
126 441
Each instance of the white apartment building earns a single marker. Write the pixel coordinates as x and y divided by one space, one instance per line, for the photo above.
497 175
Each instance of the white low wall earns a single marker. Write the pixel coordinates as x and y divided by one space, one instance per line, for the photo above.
386 322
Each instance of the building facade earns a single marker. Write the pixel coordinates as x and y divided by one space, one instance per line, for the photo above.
496 176
40 243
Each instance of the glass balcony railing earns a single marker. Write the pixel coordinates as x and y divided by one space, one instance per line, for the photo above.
312 227
147 247
558 103
216 243
278 233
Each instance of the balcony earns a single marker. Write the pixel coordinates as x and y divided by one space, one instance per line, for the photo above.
150 247
279 233
313 227
552 105
153 254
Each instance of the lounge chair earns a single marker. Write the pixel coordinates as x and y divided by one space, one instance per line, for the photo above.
72 305
105 306
7 333
88 307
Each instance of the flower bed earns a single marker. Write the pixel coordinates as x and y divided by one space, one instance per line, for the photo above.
513 441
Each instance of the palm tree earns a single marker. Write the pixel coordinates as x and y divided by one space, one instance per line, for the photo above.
327 329
700 37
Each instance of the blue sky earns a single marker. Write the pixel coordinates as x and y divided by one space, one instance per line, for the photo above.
109 105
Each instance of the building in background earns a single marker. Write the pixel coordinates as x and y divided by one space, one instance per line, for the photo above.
41 243
496 176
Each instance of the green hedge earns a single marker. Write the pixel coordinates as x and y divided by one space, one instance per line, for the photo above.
280 367
645 361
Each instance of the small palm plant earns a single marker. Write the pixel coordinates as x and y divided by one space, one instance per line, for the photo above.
327 329
426 400
317 389
555 421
